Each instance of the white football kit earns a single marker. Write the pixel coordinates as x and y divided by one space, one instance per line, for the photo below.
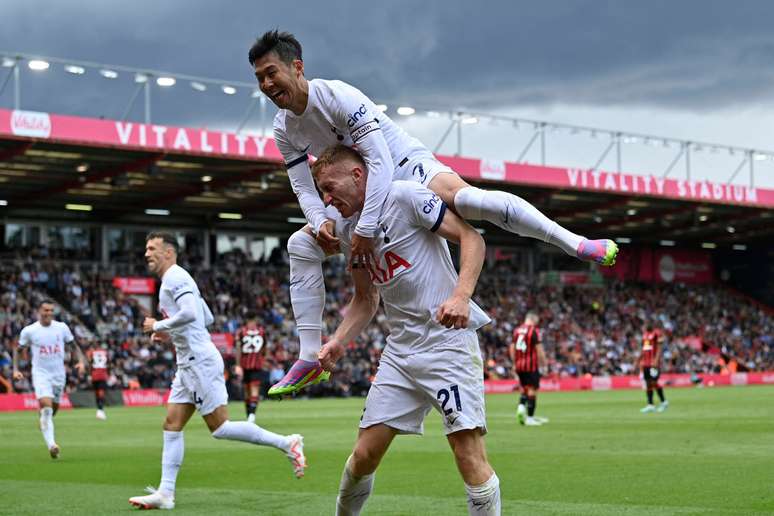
199 378
47 346
424 364
338 113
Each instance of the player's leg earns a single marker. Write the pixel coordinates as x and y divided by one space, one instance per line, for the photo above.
481 482
357 479
514 214
212 399
253 398
660 391
99 396
521 410
307 298
648 392
531 406
179 411
46 405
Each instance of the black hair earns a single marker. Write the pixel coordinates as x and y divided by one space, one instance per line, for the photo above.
46 301
167 238
284 44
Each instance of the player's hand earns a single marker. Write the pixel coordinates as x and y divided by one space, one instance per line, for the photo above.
330 353
454 312
239 371
18 375
362 251
147 324
81 367
326 238
160 337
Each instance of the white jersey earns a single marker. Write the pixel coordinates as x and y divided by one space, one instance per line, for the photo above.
47 345
339 113
414 273
191 339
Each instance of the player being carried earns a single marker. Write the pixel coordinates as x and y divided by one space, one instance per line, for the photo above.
314 114
47 338
98 356
432 357
528 359
650 364
250 341
199 382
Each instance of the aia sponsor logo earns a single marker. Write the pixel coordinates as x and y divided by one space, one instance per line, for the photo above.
31 123
430 204
393 264
357 115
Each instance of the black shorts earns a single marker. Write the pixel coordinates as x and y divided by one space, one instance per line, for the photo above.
650 374
255 375
529 379
99 384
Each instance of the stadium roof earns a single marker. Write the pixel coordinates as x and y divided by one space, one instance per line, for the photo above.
119 170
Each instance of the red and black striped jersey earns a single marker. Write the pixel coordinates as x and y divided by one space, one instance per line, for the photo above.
525 341
251 342
99 363
651 348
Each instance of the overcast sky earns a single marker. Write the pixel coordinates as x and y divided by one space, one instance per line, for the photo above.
699 69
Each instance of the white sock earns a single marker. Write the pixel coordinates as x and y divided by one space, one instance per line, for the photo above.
171 460
514 214
307 291
484 499
47 425
353 492
251 433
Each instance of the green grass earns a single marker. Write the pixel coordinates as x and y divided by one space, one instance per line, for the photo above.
712 452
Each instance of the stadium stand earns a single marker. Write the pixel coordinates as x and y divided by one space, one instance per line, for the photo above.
587 330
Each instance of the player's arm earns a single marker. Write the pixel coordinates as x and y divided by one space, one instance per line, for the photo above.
541 353
238 353
352 106
454 312
17 375
359 312
82 361
186 301
301 181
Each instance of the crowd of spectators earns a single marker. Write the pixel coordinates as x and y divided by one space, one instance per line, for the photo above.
585 330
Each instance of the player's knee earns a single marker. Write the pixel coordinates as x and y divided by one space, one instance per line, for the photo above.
302 245
364 460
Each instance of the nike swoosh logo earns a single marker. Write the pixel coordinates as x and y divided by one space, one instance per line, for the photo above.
307 148
507 212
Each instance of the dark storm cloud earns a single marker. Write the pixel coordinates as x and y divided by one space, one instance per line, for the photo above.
686 54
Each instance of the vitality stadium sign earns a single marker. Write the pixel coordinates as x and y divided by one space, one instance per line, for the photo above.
32 125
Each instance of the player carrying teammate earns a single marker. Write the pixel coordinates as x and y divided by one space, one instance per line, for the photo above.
432 357
98 356
199 382
319 113
528 359
650 364
47 338
250 343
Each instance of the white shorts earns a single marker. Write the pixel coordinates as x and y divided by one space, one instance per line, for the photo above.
201 384
420 170
448 378
48 385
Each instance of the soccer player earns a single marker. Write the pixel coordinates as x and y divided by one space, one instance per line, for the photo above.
98 355
47 338
250 356
314 114
432 357
199 382
650 360
528 359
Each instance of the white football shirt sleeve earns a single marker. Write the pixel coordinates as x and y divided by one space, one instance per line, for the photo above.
424 206
357 113
186 301
208 317
68 335
301 180
24 339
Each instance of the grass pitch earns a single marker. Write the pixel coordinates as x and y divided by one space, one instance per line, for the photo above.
712 452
